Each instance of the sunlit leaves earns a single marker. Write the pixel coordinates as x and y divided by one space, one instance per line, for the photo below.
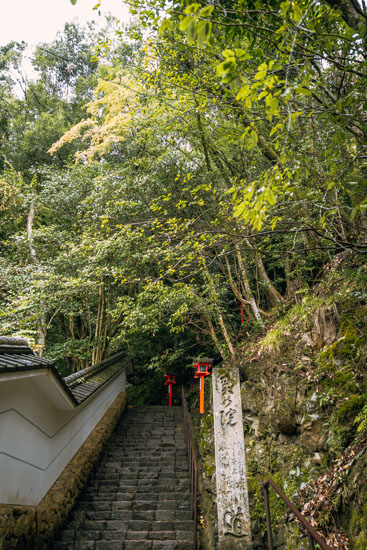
196 24
110 116
254 204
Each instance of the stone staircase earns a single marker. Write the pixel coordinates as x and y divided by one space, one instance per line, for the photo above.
139 496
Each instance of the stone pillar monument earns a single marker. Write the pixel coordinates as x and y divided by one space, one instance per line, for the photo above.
234 529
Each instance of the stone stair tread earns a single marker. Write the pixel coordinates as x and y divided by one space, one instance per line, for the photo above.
139 496
125 545
158 475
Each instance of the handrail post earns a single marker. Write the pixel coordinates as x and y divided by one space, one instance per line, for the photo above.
310 540
265 492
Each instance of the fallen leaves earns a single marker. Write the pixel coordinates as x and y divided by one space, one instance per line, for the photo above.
320 499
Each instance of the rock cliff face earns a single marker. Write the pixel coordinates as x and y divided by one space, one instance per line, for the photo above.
304 401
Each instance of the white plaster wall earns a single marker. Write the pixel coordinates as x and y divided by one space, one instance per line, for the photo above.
37 440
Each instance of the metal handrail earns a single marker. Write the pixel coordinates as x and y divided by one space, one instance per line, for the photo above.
193 465
311 533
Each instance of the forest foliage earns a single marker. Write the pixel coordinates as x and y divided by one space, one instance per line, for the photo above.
169 187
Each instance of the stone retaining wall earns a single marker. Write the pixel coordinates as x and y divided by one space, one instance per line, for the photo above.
33 527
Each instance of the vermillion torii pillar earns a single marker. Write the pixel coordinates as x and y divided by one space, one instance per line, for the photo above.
170 380
234 528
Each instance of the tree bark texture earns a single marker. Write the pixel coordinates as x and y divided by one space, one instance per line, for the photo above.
42 319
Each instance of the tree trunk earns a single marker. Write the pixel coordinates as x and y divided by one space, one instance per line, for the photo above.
350 12
247 286
203 142
220 316
100 333
287 269
236 291
42 319
215 339
226 336
274 296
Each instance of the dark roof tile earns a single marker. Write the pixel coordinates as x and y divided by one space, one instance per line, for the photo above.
89 382
14 345
17 356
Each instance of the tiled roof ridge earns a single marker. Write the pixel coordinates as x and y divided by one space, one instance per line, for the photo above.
81 375
11 344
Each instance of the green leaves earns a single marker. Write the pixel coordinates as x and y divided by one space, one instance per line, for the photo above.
206 11
196 25
227 69
186 22
192 8
166 25
242 55
269 196
203 32
272 103
261 72
359 208
255 204
200 140
296 13
244 92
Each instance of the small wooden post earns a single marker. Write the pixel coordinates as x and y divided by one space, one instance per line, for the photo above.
269 534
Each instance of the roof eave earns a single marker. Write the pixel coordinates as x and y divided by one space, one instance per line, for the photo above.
48 382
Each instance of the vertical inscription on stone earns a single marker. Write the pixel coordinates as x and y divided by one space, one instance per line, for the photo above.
234 529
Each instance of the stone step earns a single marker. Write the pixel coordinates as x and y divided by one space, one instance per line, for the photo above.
137 473
154 479
174 427
178 452
125 545
139 496
145 426
137 435
122 508
110 456
159 440
139 485
108 534
88 525
146 455
78 516
179 464
148 451
143 481
154 463
163 433
157 447
106 498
